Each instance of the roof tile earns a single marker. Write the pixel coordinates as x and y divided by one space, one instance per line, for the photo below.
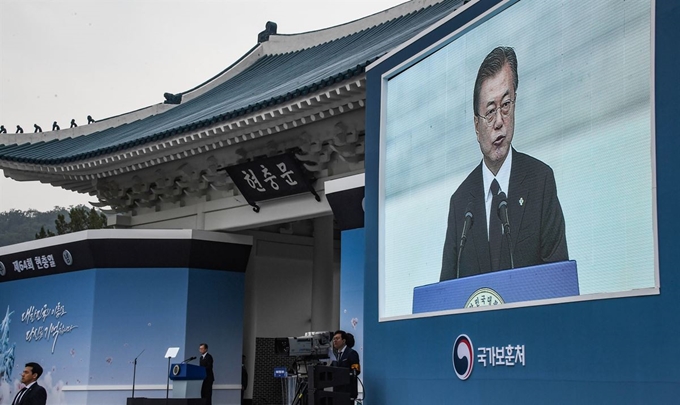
271 80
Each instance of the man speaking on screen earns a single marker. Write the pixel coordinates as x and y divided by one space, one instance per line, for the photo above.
506 213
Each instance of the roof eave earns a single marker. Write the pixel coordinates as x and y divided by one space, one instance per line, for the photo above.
343 97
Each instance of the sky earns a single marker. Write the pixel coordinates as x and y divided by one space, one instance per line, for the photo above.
63 60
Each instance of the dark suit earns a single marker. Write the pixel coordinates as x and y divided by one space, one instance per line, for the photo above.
349 357
536 221
36 395
206 389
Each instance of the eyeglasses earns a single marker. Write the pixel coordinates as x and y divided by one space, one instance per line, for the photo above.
490 117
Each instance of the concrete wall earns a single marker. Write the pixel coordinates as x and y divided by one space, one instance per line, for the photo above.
279 291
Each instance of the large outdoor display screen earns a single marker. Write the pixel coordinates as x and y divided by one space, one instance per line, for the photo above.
551 100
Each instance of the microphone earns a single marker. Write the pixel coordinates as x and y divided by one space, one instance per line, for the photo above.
140 353
356 367
134 369
503 212
189 359
505 221
467 225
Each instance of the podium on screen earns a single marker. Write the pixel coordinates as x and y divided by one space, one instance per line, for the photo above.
545 281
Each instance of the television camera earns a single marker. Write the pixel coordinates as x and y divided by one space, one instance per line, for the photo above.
317 383
313 345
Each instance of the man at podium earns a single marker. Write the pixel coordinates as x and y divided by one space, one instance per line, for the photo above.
207 362
506 213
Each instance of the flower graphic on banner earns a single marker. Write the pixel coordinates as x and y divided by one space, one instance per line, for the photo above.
6 349
9 388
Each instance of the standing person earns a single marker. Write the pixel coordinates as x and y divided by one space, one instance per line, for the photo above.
526 184
244 376
346 357
207 362
32 393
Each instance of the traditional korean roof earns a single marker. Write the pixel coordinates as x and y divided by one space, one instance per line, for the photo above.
279 70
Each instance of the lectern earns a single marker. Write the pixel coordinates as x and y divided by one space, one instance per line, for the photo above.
544 281
186 380
343 380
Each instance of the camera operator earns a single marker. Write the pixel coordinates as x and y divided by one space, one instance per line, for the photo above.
346 357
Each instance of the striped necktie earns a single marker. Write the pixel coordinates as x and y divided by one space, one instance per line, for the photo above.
495 228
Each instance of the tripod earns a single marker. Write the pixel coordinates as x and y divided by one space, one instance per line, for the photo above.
301 393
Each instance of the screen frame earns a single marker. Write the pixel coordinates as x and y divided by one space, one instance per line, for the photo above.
425 53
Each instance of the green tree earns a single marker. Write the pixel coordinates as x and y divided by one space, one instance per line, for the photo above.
44 234
80 219
61 225
20 226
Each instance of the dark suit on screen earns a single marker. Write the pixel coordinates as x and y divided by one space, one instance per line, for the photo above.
206 388
36 395
537 226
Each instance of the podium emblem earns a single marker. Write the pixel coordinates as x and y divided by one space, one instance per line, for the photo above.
484 297
175 369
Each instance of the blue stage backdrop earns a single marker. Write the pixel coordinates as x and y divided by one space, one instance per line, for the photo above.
86 327
596 101
352 287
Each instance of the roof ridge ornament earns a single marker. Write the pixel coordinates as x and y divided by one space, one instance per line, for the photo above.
172 98
269 29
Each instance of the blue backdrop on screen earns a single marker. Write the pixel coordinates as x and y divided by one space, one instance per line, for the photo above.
617 350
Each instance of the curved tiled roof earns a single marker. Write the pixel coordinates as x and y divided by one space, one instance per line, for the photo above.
271 80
